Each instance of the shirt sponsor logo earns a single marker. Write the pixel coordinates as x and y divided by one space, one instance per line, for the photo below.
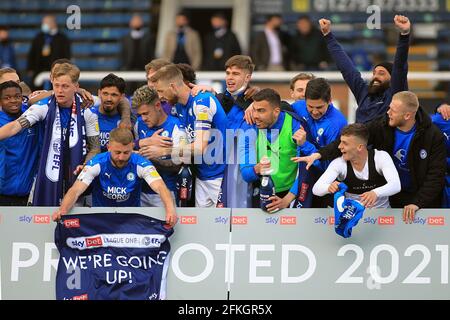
188 219
72 223
239 220
386 220
118 194
436 221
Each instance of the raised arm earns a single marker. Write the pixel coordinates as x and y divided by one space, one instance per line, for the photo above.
399 81
343 62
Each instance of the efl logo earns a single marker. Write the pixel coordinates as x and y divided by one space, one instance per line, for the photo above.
239 220
41 219
94 242
436 221
331 220
188 220
72 223
288 220
386 220
82 297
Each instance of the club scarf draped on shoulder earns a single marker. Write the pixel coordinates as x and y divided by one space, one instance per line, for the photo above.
58 151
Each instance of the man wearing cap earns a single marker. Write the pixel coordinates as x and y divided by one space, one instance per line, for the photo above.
374 98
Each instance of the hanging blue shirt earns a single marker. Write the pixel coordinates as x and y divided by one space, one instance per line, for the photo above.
106 123
114 187
172 129
18 159
204 112
401 149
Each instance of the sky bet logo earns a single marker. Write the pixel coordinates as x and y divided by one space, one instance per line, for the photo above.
94 242
436 221
188 219
36 219
239 220
283 220
324 220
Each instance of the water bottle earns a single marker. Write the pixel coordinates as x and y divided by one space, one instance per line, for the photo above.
184 186
267 188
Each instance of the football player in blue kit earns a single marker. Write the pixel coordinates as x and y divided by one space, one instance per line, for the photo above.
111 92
205 122
19 153
117 176
153 119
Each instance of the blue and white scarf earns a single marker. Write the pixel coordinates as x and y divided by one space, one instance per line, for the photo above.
347 212
50 184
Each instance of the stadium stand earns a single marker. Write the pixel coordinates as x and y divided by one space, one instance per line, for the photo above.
94 47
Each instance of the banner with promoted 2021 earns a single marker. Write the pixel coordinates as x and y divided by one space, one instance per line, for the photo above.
248 254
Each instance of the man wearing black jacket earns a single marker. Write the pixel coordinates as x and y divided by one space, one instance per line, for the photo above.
220 44
373 99
417 147
47 46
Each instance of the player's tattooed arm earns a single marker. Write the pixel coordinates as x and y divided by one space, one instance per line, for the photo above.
24 122
93 144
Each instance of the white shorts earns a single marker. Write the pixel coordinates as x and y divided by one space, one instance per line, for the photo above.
153 199
207 192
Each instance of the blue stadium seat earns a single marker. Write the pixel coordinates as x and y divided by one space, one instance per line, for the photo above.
443 48
82 49
22 34
22 48
444 64
97 33
106 49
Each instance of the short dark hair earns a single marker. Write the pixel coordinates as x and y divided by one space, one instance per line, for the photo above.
356 129
318 88
9 84
304 17
271 16
185 14
188 72
111 80
240 61
219 15
268 95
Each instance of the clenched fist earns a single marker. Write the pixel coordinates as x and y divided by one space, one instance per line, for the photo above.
325 26
403 24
